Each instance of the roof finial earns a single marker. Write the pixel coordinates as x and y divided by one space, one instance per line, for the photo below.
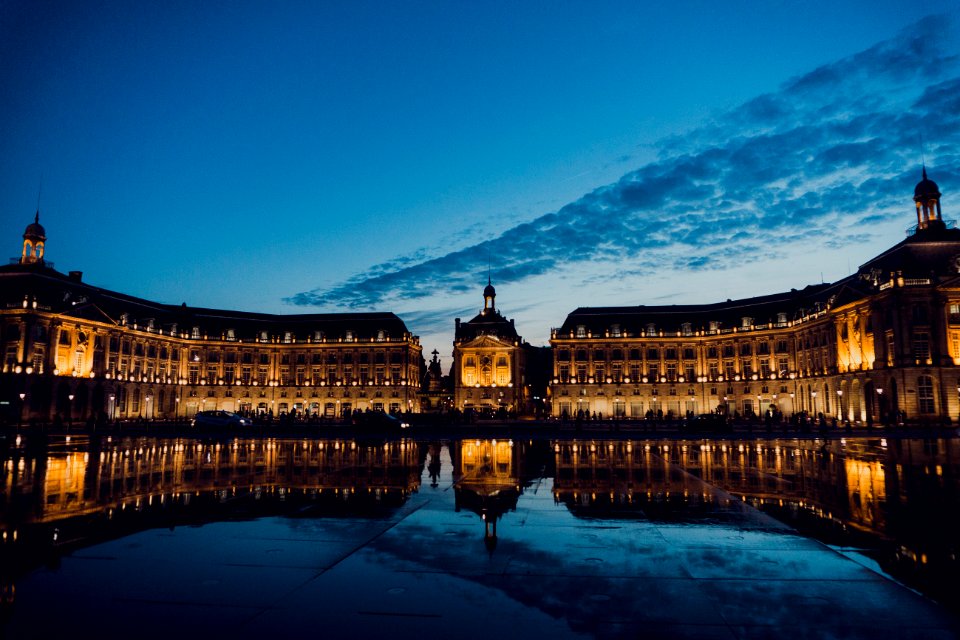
924 171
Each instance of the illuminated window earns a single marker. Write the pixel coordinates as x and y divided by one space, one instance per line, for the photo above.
581 331
195 333
651 329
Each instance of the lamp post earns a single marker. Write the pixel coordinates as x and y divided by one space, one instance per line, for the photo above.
70 411
23 404
176 410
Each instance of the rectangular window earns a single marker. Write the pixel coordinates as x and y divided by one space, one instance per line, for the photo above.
765 368
925 402
921 347
783 367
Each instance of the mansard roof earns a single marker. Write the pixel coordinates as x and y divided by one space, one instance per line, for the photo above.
67 295
488 322
926 252
671 318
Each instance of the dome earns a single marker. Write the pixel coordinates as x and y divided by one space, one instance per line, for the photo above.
489 291
926 189
35 229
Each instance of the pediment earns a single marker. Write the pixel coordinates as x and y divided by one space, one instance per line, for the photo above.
486 341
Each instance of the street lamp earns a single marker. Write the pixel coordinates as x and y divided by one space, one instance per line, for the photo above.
22 406
880 403
70 411
176 410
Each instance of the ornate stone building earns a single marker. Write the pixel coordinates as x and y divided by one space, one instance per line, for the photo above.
74 350
488 361
879 345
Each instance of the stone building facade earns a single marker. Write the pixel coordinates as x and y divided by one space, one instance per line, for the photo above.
880 345
488 361
72 350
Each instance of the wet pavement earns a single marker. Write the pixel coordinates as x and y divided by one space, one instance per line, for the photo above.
478 551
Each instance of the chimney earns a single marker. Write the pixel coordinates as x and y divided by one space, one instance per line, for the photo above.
76 276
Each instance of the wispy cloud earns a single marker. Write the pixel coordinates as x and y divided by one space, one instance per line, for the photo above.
828 153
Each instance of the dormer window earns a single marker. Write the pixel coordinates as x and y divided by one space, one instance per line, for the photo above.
317 336
687 329
124 318
231 336
615 331
149 326
714 326
381 335
287 337
195 333
746 322
781 318
581 331
349 335
264 337
651 329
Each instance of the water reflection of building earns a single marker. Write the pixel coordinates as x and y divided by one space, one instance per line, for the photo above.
905 490
883 340
96 490
127 472
487 480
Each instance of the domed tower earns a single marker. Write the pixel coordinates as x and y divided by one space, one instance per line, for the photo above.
34 240
927 197
489 293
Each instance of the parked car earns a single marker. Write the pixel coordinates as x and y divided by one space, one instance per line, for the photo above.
708 423
379 420
220 419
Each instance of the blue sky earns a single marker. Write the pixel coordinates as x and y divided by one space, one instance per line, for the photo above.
296 157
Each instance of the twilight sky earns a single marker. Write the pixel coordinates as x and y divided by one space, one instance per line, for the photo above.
295 157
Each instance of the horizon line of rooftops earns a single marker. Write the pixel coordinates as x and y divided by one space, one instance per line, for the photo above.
636 321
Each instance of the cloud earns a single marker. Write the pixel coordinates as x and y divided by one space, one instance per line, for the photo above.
828 153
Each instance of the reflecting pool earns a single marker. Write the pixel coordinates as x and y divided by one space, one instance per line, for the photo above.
568 537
